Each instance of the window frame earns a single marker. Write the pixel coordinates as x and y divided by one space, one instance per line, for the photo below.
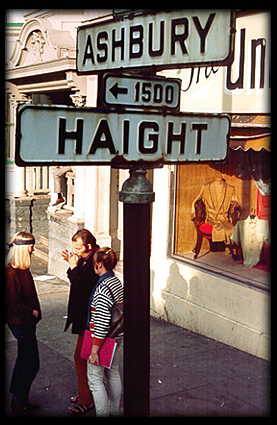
213 270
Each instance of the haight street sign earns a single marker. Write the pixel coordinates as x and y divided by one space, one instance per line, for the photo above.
168 39
49 135
135 91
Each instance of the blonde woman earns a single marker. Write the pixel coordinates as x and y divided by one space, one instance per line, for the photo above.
22 315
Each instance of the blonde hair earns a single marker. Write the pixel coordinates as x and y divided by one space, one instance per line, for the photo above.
19 256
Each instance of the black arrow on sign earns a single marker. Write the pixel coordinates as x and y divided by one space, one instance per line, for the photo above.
115 90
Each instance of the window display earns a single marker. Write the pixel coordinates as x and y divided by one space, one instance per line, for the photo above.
219 199
250 234
263 199
213 205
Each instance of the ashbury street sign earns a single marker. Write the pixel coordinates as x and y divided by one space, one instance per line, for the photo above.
168 39
48 135
141 92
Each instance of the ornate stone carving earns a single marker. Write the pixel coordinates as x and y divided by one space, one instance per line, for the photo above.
39 42
35 46
78 100
15 99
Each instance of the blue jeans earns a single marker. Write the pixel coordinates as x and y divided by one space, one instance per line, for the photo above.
106 386
27 362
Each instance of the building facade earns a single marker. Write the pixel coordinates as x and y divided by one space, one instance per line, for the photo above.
219 293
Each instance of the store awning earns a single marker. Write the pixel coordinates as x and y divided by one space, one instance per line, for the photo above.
257 143
250 132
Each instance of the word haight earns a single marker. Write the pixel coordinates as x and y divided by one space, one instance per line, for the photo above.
65 135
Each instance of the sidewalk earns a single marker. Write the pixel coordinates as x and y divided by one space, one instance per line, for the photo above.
190 375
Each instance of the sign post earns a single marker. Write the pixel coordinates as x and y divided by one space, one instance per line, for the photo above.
136 195
89 135
92 136
50 135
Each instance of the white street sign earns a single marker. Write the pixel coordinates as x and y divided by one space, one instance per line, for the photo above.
168 39
48 135
141 92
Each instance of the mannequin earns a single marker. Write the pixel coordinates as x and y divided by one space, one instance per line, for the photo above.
250 234
217 196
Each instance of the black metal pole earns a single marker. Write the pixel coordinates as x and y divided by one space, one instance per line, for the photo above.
137 195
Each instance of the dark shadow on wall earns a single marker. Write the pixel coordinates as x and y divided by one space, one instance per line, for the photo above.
176 285
176 281
183 289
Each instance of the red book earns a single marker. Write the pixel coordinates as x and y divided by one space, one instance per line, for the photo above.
105 353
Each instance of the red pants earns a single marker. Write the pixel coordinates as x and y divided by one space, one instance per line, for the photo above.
85 396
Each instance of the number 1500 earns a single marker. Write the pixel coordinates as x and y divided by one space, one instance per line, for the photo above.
154 92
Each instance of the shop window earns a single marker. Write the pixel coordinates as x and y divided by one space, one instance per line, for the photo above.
228 205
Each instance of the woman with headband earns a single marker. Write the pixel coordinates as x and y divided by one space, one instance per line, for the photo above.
22 315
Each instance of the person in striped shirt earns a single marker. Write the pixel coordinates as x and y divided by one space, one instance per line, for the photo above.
105 384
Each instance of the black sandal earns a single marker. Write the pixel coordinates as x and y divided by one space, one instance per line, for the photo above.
79 409
74 398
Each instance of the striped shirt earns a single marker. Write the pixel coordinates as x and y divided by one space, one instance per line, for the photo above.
109 290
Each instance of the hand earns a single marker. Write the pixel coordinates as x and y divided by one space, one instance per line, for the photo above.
35 313
73 260
65 254
94 359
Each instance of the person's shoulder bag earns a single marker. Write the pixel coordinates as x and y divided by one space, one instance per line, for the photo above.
117 320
